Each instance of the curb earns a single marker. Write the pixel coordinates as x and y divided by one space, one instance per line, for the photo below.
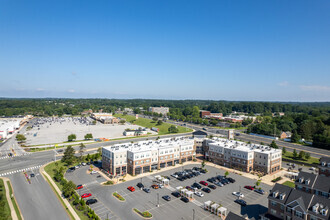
51 182
11 206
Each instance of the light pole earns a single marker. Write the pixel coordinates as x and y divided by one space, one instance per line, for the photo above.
193 214
157 199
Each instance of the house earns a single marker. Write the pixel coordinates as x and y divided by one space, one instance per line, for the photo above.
324 166
314 184
284 135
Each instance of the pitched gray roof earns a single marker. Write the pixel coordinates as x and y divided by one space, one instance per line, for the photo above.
325 159
322 183
321 201
306 177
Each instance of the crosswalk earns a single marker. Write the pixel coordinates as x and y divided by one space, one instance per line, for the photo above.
17 155
21 170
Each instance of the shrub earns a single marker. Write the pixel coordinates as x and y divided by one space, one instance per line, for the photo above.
277 179
108 182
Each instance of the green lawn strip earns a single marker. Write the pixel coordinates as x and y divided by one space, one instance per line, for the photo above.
50 170
4 207
13 200
311 160
239 128
144 122
289 183
144 214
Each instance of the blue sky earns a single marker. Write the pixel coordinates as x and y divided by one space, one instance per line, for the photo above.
182 49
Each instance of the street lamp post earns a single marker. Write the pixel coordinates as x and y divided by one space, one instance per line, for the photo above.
157 199
193 214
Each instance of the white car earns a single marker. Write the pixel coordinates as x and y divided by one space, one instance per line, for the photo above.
174 175
238 194
84 164
161 185
200 194
94 172
77 167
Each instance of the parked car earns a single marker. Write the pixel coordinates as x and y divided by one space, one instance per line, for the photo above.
79 187
219 184
84 164
94 172
239 194
91 201
185 199
207 190
204 183
140 185
196 185
86 195
176 194
32 175
167 177
231 180
167 198
200 194
241 202
131 188
155 186
249 187
161 185
260 191
212 186
147 190
174 175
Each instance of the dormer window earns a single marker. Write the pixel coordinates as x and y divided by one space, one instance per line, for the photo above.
328 164
301 179
324 211
282 196
323 164
307 181
275 194
316 207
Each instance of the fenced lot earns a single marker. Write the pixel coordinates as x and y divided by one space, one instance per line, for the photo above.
175 209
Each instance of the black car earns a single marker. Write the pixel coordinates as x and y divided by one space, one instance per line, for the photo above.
72 168
180 178
241 202
207 190
198 186
32 175
91 201
212 186
140 185
176 194
231 180
167 177
167 198
185 199
202 171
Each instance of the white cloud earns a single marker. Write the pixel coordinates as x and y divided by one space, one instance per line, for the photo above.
40 89
284 83
71 91
317 88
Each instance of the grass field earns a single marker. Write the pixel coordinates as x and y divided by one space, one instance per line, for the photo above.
4 206
289 183
311 160
144 122
14 201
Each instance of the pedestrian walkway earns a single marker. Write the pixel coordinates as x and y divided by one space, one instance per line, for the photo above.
11 206
17 155
21 170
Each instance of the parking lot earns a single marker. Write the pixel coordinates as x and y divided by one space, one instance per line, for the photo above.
57 130
174 209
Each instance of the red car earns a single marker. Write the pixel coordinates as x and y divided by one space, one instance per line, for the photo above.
204 183
249 187
79 187
86 195
131 188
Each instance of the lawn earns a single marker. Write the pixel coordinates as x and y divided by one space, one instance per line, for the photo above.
4 206
311 160
14 201
289 183
144 122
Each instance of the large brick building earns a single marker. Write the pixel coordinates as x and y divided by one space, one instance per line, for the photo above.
324 166
242 156
144 156
288 203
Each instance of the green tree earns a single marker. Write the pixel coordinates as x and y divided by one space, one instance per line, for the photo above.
68 156
301 155
154 119
273 145
88 157
258 183
81 149
159 122
262 143
295 138
203 164
173 129
69 189
307 156
72 137
295 154
226 174
20 138
283 150
88 136
122 121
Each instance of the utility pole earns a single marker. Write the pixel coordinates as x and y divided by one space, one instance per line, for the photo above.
193 214
157 199
55 152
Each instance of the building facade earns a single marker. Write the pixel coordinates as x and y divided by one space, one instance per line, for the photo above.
245 157
105 118
144 156
314 184
160 110
324 166
288 203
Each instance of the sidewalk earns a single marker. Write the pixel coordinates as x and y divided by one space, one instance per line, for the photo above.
11 206
66 202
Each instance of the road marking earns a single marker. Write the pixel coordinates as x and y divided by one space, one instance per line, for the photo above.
198 203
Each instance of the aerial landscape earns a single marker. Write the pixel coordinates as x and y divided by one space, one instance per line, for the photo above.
183 110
